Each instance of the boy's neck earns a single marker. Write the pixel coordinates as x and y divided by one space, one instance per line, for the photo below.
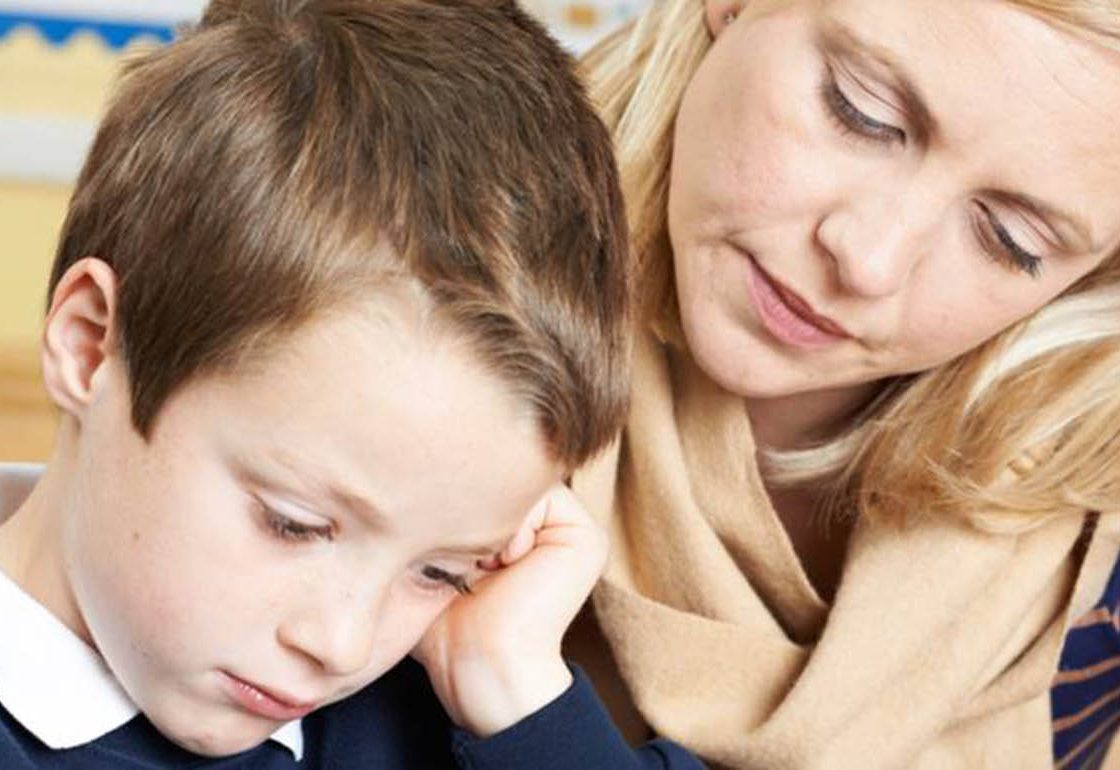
31 552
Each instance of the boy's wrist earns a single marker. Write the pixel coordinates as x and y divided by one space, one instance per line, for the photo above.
502 696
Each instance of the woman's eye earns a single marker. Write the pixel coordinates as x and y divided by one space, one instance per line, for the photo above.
289 530
439 579
851 119
998 242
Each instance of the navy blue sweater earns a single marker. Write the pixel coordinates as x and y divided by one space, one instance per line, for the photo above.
394 724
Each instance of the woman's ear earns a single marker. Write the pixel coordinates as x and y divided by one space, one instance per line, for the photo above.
718 14
80 333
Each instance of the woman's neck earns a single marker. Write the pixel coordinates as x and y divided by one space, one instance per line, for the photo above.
797 422
801 420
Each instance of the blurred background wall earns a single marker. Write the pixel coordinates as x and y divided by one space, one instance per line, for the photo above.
58 60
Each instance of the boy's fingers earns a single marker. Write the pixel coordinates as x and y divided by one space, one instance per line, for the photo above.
490 563
523 540
559 507
563 507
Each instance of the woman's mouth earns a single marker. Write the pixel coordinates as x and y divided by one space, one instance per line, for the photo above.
787 316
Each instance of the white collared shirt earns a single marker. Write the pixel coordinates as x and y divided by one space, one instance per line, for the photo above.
52 682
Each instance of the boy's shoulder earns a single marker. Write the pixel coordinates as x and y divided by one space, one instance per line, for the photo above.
395 723
60 706
135 745
53 686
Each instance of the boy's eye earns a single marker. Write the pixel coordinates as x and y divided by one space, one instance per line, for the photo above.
441 578
851 119
288 529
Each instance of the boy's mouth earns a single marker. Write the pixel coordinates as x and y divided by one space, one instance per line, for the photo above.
263 702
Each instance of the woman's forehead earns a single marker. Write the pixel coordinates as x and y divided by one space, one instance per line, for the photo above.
1016 102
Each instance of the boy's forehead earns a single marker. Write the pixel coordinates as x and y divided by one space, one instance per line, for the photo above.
324 492
378 420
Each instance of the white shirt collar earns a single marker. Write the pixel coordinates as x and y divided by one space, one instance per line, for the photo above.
52 682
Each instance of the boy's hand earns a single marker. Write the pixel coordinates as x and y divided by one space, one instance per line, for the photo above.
494 655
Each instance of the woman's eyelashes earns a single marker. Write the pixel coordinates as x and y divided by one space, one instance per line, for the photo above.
998 242
849 119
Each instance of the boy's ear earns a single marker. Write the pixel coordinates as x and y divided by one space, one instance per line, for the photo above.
80 333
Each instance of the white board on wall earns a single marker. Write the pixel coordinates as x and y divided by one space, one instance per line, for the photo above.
149 11
49 145
45 138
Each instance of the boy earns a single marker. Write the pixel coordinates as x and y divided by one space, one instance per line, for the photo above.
340 298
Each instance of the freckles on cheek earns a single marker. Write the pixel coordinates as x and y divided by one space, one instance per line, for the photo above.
767 175
400 632
937 343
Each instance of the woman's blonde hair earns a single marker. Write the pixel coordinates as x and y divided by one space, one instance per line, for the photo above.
1022 428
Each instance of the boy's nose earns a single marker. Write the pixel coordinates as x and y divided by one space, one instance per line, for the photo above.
338 638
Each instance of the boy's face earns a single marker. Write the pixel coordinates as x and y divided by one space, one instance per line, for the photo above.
288 533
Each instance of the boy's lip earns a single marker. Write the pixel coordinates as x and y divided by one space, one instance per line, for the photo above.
266 702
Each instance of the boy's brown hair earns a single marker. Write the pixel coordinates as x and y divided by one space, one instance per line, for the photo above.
287 156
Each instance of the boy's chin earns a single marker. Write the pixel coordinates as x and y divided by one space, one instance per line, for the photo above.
221 740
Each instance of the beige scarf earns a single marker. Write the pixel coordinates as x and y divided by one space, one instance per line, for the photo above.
937 652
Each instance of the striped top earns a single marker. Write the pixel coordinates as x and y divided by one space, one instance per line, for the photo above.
1085 697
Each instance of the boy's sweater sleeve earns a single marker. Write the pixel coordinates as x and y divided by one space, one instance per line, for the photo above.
573 732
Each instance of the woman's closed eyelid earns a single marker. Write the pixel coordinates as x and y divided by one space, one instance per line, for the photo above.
844 109
1009 249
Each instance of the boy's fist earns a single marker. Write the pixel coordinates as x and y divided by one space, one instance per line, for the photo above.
494 655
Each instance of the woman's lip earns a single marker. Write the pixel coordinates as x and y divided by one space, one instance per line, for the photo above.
805 310
269 704
787 315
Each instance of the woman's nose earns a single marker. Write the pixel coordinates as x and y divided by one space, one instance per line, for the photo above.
875 239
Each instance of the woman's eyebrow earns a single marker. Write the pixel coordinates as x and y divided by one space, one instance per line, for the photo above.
836 37
842 40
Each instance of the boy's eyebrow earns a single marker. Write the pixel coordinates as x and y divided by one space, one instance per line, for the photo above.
485 550
347 500
337 493
843 40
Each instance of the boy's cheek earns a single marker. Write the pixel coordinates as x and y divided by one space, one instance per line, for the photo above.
401 629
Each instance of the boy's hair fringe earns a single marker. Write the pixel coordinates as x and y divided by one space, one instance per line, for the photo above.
286 157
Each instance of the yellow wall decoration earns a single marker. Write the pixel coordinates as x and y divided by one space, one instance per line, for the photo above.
54 81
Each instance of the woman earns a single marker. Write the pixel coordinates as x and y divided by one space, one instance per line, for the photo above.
877 410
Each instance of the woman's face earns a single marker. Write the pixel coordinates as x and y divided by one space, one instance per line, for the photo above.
863 188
